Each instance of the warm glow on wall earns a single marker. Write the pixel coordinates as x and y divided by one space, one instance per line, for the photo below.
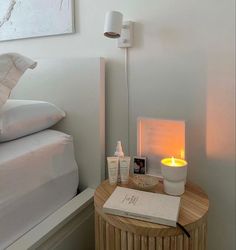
157 139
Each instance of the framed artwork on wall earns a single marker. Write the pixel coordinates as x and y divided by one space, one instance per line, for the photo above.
158 139
35 18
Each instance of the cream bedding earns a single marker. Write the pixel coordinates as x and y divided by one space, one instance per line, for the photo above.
38 174
12 67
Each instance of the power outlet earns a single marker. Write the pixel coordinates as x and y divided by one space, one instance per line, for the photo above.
126 38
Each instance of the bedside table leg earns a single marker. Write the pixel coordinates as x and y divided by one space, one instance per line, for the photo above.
130 241
97 243
117 238
144 242
137 242
180 241
100 232
202 236
151 243
123 240
205 235
159 243
108 237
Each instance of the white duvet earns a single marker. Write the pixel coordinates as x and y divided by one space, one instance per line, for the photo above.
38 174
12 67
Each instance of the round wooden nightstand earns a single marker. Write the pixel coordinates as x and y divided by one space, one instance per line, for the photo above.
120 233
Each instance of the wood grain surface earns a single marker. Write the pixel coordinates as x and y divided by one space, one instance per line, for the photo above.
121 233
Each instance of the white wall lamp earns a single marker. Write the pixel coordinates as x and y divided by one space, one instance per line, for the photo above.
114 27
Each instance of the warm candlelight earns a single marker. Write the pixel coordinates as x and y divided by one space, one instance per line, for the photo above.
174 162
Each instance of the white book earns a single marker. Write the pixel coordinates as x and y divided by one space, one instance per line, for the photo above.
146 206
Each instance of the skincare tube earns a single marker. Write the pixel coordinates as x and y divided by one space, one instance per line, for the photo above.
124 169
113 164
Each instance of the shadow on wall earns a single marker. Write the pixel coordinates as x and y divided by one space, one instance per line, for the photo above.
138 35
116 99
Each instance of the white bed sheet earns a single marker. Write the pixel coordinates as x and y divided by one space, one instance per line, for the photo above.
38 174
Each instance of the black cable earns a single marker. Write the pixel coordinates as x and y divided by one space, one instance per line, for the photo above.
183 229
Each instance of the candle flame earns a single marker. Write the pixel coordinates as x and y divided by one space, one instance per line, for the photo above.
172 161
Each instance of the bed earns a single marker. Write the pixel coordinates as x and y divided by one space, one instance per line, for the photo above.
61 220
38 175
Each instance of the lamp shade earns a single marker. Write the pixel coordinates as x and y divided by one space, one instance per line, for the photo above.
113 24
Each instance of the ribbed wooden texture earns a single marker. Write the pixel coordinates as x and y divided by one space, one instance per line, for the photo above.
120 233
110 238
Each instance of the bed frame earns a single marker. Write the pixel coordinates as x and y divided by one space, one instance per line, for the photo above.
77 85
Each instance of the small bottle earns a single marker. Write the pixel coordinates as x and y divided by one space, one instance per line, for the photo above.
119 153
124 169
113 166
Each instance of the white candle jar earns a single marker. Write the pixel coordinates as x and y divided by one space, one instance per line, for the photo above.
174 172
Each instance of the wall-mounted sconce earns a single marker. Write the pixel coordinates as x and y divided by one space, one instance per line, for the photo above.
113 24
114 27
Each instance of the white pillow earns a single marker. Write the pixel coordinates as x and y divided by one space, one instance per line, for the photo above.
23 117
12 67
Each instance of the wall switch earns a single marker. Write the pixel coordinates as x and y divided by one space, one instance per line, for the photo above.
126 38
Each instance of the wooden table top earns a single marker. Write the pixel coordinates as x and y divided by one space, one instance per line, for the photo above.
193 209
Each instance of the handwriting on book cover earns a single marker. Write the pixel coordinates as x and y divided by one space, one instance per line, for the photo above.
130 199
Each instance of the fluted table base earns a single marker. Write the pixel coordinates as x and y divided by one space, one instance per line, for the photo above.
108 237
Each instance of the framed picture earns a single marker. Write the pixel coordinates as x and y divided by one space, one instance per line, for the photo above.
160 138
139 165
35 18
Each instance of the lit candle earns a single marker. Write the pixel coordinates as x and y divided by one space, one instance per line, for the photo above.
174 162
174 172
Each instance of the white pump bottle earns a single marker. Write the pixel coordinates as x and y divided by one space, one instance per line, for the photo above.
119 153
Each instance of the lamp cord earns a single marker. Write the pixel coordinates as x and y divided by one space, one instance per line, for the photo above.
128 122
128 97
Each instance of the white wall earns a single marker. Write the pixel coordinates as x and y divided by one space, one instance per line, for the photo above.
182 66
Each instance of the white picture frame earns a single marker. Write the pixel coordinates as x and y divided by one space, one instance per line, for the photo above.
158 139
35 18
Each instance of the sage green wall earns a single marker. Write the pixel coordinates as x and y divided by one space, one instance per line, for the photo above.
182 66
